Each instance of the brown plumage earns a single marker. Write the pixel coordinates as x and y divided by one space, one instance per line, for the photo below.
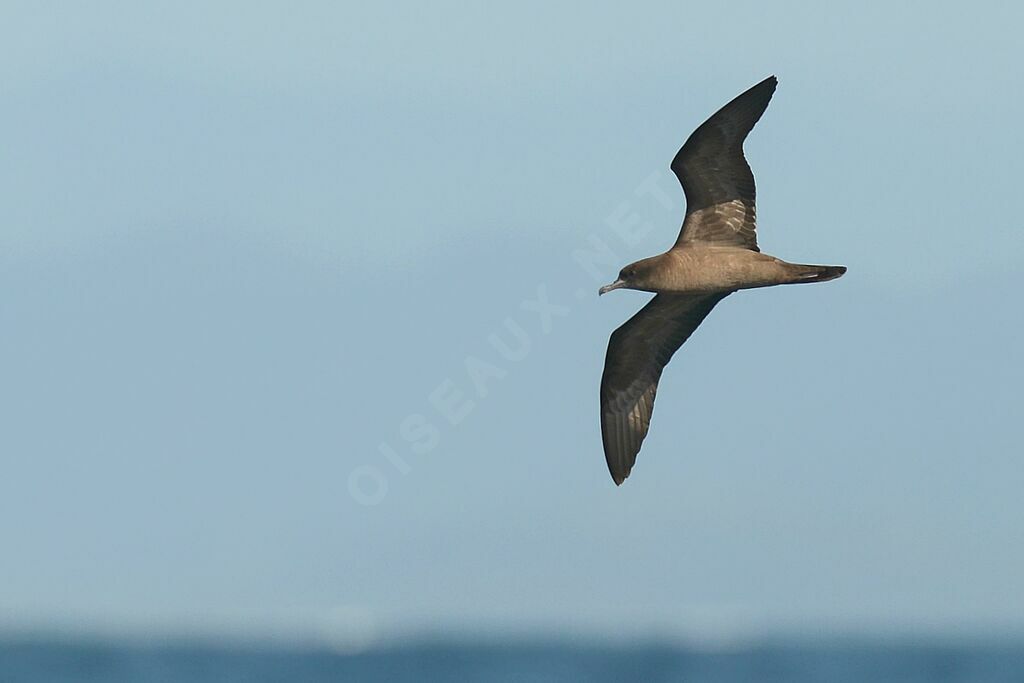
715 255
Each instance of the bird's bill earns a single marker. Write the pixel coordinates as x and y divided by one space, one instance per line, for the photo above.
615 285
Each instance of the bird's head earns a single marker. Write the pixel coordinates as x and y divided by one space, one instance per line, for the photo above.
637 275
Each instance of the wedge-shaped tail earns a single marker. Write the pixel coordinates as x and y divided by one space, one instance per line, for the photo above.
804 273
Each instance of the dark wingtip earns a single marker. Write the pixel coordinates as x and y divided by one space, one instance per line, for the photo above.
617 476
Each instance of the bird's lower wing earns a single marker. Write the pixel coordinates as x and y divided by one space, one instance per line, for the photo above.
637 353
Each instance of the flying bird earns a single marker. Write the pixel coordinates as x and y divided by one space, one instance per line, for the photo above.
715 255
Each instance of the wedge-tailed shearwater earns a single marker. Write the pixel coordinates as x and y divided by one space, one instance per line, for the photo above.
715 255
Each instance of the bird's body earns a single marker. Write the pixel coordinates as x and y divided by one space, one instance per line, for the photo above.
715 255
699 269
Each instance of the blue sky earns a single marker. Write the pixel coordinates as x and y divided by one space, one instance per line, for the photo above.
243 246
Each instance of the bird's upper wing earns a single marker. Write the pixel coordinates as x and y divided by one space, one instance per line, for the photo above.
637 353
715 176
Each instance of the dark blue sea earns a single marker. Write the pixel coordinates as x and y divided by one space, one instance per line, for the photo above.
41 660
